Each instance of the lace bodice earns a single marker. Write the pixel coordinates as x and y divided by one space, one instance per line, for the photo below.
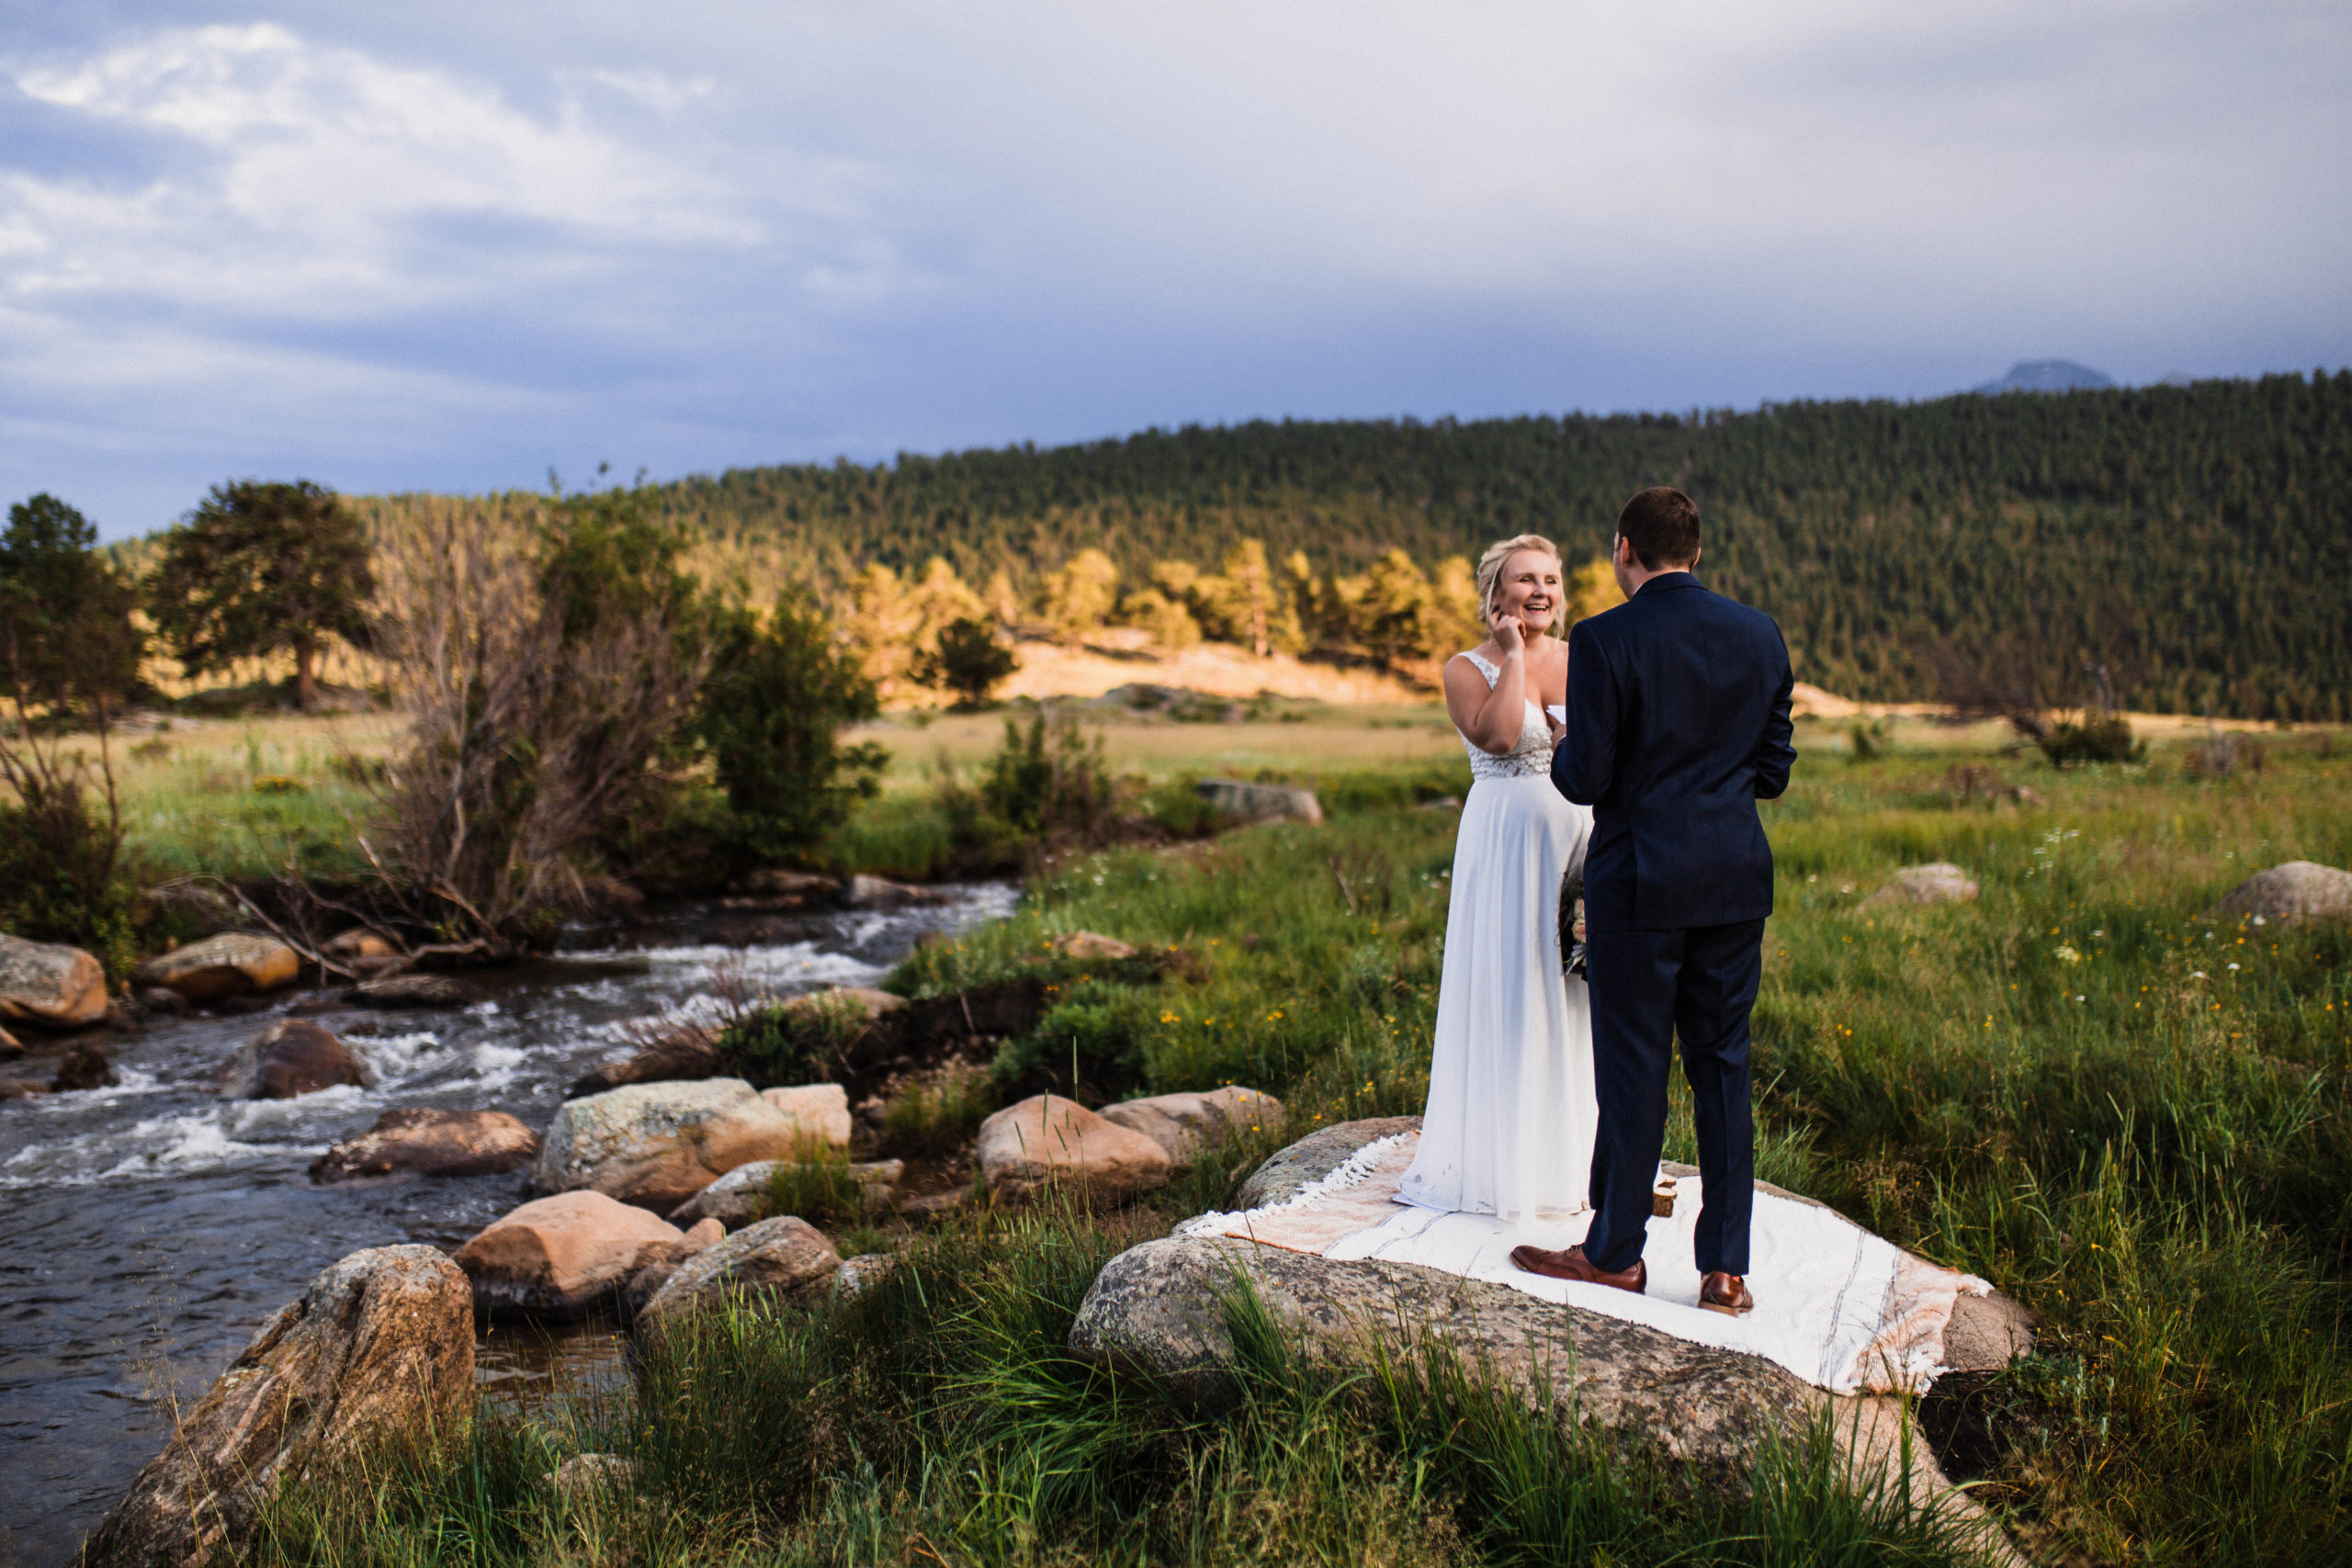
1532 757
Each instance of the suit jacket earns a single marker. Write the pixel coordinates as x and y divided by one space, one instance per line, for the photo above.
1678 725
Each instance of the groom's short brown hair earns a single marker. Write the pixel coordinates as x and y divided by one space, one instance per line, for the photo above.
1662 524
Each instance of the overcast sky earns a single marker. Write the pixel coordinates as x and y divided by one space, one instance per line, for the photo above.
450 246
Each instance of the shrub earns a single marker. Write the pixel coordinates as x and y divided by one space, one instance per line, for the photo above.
60 879
1050 781
2094 737
771 713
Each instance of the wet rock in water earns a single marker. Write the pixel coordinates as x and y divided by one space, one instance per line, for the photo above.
20 1088
1708 1412
231 965
736 1197
820 1109
559 1256
1315 1156
774 882
413 991
787 1255
380 1347
424 1142
1186 1125
1240 802
2297 891
83 1067
1047 1141
1092 945
1938 883
860 1274
660 1143
760 930
863 892
163 999
43 982
683 1053
289 1058
11 1047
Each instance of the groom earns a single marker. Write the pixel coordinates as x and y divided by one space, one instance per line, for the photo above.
1677 724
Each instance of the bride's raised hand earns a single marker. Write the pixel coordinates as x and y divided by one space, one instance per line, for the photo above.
1509 634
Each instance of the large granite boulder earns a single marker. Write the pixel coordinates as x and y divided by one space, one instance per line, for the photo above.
293 1056
820 1109
1049 1142
380 1348
660 1143
559 1256
2297 891
231 965
787 1255
1240 802
42 982
424 1142
1160 1307
1186 1125
1938 883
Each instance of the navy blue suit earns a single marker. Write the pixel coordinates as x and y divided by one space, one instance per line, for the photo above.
1678 725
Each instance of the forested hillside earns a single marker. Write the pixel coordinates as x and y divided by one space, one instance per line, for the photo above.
2195 541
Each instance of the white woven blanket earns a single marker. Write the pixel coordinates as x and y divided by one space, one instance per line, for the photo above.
1834 1305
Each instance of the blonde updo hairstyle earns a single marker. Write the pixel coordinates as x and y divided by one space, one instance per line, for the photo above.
1490 571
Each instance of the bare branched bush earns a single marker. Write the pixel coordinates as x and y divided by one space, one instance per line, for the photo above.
547 668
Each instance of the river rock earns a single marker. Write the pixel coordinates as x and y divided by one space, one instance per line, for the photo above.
1315 1156
860 1274
1092 944
1940 882
380 1347
701 1235
83 1067
20 1088
232 963
820 1109
2297 891
861 892
559 1256
1159 1307
681 1052
1240 802
11 1047
44 982
413 991
359 942
774 882
660 1143
1046 1141
787 1255
422 1142
1187 1125
736 1197
292 1058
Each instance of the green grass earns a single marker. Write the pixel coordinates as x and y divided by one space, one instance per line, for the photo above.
2063 1085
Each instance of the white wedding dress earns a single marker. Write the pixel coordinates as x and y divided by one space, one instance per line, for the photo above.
1509 1124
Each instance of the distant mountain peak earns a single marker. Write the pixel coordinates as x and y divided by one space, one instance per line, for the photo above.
2048 375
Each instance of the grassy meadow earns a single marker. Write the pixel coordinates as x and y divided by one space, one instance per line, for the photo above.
2128 1115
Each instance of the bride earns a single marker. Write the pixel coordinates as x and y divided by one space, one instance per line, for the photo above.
1509 1128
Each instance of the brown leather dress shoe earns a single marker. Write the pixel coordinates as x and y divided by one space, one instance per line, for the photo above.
1574 1265
1726 1293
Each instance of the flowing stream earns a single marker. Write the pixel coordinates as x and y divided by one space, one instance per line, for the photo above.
154 1226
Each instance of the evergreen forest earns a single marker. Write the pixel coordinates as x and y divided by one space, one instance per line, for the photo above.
2167 548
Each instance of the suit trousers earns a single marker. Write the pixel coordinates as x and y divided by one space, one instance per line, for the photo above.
1648 987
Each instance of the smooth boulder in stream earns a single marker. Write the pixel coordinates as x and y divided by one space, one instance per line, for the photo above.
293 1056
231 965
559 1256
659 1143
43 982
423 1141
380 1347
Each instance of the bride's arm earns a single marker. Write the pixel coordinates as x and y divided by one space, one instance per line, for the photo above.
1493 721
